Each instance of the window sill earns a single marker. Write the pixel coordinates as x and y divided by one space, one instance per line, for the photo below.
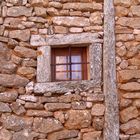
64 87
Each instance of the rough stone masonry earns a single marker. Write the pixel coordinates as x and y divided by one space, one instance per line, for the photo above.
25 114
76 114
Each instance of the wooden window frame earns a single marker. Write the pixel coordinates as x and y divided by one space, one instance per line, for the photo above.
69 50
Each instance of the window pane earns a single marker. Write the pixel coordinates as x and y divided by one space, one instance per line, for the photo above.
62 68
61 59
76 75
76 67
76 59
63 76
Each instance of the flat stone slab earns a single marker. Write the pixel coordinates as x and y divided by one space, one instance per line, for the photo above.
63 87
63 39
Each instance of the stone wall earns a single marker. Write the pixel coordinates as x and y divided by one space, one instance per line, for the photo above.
128 66
24 114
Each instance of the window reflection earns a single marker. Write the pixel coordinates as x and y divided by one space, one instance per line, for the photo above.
76 75
76 59
76 67
61 59
63 76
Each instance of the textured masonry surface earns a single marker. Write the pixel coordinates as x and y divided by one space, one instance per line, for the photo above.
33 108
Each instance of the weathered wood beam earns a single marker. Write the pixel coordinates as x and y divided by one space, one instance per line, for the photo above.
111 129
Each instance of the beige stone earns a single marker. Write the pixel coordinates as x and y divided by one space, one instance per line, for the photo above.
29 105
135 137
78 119
98 110
2 28
60 115
57 106
12 80
46 125
79 105
83 6
5 134
131 86
125 102
121 51
40 11
60 29
39 3
128 113
30 98
13 23
137 103
121 11
64 134
95 97
76 30
39 113
7 67
124 64
52 11
15 59
135 10
96 18
55 4
19 11
68 98
134 61
92 135
8 96
25 135
137 37
131 127
136 31
98 123
71 21
23 35
126 3
124 37
29 63
124 137
4 108
126 75
75 13
130 95
28 72
48 99
37 19
17 2
25 52
132 51
93 28
130 22
17 108
123 30
16 123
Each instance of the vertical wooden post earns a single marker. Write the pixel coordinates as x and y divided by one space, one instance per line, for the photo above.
111 129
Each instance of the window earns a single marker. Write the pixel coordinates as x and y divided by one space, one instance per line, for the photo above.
73 63
69 64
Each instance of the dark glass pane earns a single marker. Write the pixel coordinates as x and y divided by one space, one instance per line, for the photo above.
76 75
